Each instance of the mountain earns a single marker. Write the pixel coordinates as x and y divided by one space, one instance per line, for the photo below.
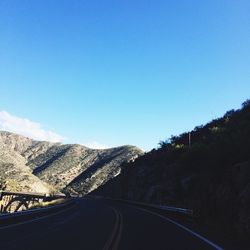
206 169
40 166
15 175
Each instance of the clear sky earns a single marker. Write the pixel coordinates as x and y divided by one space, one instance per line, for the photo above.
115 72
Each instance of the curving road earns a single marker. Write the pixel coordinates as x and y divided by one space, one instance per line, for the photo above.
101 224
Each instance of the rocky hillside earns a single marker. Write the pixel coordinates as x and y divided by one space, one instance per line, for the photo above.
28 165
15 175
209 173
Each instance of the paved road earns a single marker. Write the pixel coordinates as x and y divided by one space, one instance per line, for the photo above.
100 224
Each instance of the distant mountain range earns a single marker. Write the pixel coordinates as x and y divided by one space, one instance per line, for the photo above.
41 166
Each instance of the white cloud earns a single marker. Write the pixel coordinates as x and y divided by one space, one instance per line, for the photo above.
27 128
95 145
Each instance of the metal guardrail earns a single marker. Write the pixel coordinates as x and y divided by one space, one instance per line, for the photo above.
2 193
179 210
19 201
175 209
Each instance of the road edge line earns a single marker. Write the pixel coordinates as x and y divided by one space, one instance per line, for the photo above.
184 228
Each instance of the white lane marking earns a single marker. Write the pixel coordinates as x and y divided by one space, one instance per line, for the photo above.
183 227
34 220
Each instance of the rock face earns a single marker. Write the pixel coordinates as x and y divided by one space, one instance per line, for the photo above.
103 165
15 175
28 165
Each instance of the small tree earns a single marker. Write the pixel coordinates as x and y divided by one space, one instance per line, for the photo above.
229 113
246 103
2 184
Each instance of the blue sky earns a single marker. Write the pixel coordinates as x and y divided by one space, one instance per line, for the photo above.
121 72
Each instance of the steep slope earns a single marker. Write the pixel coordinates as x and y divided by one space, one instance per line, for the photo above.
106 165
210 175
15 175
72 168
78 169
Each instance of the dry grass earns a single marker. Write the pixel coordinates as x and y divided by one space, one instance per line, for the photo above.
47 203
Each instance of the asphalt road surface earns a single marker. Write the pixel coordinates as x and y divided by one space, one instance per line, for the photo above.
100 224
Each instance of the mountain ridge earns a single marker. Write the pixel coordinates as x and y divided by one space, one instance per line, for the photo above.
56 165
209 173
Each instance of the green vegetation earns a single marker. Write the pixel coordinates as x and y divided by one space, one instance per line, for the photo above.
218 144
207 169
